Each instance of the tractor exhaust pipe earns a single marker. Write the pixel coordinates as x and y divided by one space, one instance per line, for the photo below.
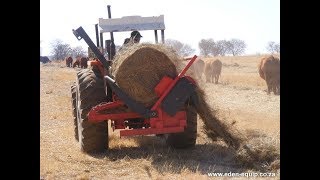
109 16
97 35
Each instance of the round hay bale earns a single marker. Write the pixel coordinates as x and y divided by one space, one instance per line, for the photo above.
140 67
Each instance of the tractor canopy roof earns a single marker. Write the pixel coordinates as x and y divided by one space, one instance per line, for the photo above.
131 23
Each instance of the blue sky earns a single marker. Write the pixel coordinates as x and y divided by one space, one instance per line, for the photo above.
255 21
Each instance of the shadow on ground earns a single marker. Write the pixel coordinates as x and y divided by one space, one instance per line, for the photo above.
202 158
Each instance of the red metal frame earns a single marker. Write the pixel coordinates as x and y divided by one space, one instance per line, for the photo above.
161 124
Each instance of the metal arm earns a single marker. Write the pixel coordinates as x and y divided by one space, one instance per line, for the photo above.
131 103
81 34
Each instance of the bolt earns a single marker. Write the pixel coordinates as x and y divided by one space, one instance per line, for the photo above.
153 114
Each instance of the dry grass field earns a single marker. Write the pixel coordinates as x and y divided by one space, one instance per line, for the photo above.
240 98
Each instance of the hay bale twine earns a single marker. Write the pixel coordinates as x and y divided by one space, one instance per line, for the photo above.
140 67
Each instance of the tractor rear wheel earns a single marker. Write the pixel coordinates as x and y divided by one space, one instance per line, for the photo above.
188 137
74 103
93 137
74 110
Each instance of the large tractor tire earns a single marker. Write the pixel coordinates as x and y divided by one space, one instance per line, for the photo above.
74 110
82 71
188 137
93 137
74 103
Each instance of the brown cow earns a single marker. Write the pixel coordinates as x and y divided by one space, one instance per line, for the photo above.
216 66
212 71
81 62
208 70
76 63
198 67
69 61
269 70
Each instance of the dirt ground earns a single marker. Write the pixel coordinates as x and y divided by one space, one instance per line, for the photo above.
246 105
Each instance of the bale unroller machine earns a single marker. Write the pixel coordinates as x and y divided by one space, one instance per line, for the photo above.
97 99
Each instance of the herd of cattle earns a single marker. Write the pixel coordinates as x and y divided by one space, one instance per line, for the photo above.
80 62
211 69
269 70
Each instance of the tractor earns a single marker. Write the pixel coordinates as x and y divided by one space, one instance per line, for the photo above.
95 94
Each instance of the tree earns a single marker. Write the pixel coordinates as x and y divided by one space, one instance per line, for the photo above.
174 44
228 46
60 50
220 48
181 48
186 50
236 47
277 48
215 50
272 47
206 46
78 51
